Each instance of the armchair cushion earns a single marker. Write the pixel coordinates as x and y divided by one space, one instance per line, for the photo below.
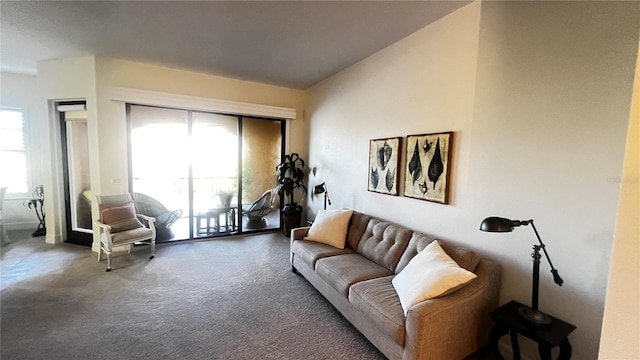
129 236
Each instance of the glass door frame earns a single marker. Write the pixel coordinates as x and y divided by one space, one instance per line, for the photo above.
73 236
191 212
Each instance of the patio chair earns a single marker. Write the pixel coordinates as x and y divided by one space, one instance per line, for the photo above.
119 225
146 205
256 212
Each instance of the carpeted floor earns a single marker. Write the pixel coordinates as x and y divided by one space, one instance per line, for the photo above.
232 298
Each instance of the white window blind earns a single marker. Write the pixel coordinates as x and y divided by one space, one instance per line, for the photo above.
13 152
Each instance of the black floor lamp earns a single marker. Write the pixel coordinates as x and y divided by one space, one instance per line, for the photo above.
533 315
320 189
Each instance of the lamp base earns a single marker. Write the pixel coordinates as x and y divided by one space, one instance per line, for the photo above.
535 317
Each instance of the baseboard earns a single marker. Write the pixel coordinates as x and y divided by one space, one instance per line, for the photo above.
53 239
30 225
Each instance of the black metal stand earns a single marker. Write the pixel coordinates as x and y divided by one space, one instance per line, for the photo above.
532 314
326 198
37 204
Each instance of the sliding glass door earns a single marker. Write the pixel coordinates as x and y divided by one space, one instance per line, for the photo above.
159 168
214 157
261 153
190 168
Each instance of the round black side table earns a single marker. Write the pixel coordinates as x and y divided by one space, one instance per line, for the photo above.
508 321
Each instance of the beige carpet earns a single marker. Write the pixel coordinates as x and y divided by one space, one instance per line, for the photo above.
232 298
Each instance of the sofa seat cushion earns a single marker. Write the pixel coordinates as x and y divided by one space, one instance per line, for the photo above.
378 301
342 271
311 251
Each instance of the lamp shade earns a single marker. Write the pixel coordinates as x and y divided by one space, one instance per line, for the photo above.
319 189
497 224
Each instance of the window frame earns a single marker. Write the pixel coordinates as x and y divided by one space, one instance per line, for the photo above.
12 194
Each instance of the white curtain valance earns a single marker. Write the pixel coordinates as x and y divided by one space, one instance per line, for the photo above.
147 97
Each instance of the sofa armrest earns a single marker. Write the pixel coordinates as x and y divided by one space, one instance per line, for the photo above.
297 234
457 322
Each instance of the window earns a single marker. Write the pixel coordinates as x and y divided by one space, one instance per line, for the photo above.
13 152
207 165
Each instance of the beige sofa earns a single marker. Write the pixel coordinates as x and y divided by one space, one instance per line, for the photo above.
357 280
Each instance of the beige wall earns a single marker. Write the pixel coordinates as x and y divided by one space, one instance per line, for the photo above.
538 96
64 79
422 84
621 323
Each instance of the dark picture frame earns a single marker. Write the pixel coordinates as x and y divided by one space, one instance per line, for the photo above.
428 167
384 165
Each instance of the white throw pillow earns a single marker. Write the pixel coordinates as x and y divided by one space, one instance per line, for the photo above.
330 227
431 273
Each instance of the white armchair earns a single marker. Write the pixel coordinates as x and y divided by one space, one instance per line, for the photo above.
119 225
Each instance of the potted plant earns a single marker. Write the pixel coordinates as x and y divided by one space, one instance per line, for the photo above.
225 197
290 176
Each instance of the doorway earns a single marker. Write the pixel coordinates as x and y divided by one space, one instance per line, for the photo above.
76 172
202 171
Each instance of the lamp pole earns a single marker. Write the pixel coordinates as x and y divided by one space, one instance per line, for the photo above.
535 289
325 199
531 314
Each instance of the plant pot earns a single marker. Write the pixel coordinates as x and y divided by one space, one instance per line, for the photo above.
292 217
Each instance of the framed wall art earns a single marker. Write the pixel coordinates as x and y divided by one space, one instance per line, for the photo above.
428 167
384 160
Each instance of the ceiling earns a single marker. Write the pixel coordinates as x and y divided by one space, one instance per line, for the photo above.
289 43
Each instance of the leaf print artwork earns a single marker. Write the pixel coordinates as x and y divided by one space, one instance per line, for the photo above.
384 155
426 174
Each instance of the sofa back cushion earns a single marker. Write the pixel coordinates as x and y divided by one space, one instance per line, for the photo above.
357 227
384 243
465 258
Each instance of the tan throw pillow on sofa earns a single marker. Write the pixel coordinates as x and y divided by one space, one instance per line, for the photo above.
430 274
330 227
